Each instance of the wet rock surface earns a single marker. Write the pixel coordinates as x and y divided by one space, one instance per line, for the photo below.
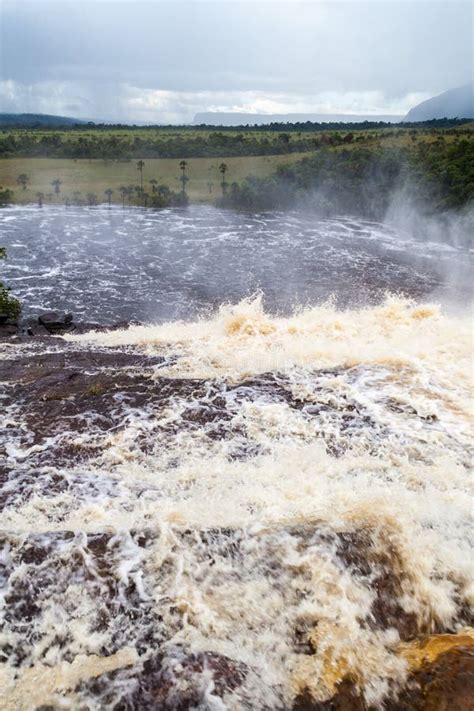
56 321
76 416
175 682
447 684
169 677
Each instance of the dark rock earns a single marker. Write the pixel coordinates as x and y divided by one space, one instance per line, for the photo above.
346 699
382 571
173 682
33 328
447 684
8 326
56 321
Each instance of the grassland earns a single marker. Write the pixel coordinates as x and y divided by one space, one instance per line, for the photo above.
95 176
104 170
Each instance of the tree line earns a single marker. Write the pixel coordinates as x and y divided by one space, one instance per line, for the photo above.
113 147
439 175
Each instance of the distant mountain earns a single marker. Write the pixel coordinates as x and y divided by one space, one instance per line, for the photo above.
37 120
454 103
214 118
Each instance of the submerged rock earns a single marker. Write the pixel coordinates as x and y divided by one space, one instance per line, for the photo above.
176 681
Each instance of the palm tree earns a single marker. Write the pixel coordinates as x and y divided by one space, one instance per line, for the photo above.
184 179
140 166
40 197
23 180
123 192
223 170
153 184
56 184
109 194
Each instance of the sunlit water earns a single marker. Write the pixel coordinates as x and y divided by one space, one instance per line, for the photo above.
285 438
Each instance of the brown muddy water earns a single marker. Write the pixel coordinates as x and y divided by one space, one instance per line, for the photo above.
257 498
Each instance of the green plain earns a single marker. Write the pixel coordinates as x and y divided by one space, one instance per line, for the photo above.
96 176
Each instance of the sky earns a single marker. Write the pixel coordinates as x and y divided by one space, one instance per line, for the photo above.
162 62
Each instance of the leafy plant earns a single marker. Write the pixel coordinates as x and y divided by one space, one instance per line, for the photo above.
10 307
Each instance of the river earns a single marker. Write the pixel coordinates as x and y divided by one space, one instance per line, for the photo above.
258 489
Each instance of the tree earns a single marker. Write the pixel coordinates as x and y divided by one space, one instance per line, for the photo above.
109 194
184 178
56 185
40 197
140 166
223 171
153 184
123 192
10 308
6 195
23 180
91 199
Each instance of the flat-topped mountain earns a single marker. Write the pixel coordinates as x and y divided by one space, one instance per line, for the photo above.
217 118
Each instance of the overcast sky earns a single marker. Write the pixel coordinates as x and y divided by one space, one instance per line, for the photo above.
162 62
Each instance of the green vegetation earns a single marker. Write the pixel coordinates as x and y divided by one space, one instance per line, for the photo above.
350 170
96 390
9 307
6 196
363 181
128 143
81 177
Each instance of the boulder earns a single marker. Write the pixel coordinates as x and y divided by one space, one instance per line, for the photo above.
56 321
8 327
32 327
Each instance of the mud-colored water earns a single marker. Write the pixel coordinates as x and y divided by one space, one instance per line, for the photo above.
237 508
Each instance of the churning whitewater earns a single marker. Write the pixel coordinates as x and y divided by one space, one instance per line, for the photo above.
244 507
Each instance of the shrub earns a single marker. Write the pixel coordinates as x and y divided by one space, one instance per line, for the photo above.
10 307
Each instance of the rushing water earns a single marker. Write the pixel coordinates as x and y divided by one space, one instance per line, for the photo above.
246 504
112 265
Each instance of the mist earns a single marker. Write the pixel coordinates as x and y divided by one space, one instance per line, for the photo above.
236 361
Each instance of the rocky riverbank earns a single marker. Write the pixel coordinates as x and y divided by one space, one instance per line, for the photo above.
115 601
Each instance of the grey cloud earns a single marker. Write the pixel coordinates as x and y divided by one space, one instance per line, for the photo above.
396 48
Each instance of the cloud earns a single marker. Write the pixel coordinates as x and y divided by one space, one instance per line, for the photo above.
156 60
119 102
